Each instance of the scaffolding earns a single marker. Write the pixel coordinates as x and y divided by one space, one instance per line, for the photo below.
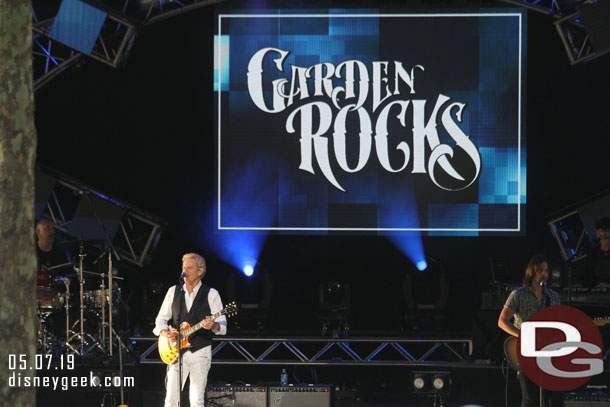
322 351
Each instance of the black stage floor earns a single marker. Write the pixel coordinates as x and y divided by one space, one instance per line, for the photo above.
472 384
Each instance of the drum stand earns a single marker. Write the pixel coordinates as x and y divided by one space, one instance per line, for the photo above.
44 338
106 325
81 336
110 300
82 342
66 281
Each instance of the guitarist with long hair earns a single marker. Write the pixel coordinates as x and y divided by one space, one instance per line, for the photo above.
194 303
521 304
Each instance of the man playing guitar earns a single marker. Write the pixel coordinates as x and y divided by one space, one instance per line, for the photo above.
191 302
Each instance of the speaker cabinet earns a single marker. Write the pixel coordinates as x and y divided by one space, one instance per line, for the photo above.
300 396
236 396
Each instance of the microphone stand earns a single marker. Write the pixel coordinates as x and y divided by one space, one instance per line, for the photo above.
81 256
545 294
111 251
121 370
86 194
570 262
181 281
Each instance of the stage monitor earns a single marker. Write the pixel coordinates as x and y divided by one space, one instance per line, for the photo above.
371 121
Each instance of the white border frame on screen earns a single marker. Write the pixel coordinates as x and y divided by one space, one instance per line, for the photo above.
297 229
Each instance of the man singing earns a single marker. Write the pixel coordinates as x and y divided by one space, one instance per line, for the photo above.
191 302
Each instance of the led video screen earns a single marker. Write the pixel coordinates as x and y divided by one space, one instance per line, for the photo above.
369 121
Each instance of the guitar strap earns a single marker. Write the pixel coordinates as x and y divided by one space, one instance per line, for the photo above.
176 304
178 301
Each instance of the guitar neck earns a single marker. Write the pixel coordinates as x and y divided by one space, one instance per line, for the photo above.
199 325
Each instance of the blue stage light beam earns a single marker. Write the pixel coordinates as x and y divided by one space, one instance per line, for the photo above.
252 180
410 244
402 210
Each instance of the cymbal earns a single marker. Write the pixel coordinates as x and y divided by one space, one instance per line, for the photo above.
91 273
70 244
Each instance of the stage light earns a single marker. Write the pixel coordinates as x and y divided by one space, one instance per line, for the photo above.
334 302
431 383
438 383
417 382
421 265
248 270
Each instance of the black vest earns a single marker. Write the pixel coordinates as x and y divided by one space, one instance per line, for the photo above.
199 310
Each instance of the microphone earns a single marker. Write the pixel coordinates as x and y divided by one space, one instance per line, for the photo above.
182 275
545 292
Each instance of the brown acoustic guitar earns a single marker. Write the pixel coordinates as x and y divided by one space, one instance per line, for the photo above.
510 346
168 346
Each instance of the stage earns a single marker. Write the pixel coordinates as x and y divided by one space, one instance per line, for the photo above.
339 372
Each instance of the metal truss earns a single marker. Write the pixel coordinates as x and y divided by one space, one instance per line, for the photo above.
51 57
575 39
542 6
158 10
138 236
73 207
116 38
569 25
308 351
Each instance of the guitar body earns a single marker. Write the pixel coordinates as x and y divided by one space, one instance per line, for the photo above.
168 347
510 350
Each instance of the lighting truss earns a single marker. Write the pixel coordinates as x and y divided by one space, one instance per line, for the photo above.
542 6
116 38
136 232
158 10
308 351
575 39
51 57
568 23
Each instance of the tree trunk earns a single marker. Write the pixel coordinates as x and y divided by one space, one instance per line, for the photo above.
17 155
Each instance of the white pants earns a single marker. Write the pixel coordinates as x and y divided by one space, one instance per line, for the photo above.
197 364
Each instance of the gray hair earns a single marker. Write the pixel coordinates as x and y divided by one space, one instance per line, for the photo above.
198 258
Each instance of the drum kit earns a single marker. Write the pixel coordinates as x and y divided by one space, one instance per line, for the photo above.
75 307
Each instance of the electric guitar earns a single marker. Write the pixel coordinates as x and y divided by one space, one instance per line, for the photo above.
510 346
168 346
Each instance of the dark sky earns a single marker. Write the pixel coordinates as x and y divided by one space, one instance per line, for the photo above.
145 134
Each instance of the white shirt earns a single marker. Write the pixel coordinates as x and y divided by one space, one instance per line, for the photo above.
165 313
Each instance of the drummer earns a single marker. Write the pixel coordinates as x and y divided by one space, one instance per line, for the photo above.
48 255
